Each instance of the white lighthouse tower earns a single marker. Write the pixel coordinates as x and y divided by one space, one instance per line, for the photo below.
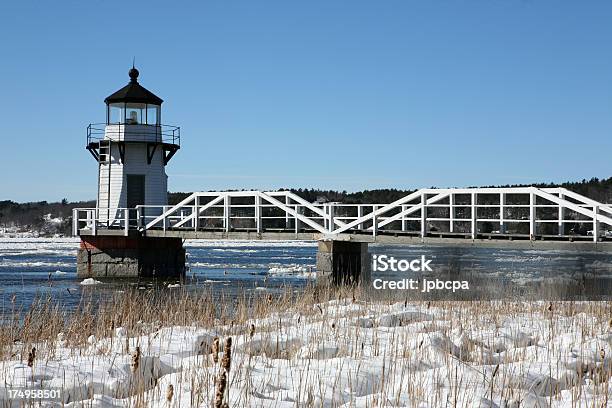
132 149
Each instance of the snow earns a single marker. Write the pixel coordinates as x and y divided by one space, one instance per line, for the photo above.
342 353
49 218
90 281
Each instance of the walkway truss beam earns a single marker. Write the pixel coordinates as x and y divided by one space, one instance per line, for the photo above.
529 212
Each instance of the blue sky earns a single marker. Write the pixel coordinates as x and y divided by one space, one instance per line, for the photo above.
346 95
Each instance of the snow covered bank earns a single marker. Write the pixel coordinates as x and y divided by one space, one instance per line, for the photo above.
343 353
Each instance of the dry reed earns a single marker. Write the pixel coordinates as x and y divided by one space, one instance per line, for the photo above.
38 330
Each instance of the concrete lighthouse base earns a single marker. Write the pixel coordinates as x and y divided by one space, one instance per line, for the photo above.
130 257
343 262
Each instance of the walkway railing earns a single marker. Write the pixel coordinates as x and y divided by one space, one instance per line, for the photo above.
525 212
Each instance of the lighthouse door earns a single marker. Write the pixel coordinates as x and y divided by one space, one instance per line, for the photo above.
135 194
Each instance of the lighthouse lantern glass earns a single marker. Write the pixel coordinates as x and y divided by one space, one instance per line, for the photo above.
115 113
153 114
133 114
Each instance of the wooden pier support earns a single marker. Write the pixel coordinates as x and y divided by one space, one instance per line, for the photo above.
343 263
130 257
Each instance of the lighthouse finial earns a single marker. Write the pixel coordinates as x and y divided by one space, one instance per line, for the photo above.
133 72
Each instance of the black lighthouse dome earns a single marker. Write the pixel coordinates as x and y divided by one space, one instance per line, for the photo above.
133 104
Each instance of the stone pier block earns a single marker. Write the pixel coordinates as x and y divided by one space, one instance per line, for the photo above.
130 257
343 262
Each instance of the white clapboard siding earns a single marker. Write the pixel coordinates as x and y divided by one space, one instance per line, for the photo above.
112 192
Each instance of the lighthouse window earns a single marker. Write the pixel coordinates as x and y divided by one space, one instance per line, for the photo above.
134 113
152 115
115 113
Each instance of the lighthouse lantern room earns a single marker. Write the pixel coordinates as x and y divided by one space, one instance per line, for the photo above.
132 149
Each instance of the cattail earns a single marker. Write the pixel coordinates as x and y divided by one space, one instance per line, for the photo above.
221 384
227 355
136 359
495 371
169 393
215 350
252 331
31 357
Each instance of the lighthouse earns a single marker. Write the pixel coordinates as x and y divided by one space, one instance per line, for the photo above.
132 149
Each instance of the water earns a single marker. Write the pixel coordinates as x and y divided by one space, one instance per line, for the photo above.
47 266
494 273
31 267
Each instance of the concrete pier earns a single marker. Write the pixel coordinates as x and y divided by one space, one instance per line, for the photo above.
130 257
343 262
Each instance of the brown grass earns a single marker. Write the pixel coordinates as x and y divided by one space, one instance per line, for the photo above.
33 335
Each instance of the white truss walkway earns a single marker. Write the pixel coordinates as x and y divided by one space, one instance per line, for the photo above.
526 211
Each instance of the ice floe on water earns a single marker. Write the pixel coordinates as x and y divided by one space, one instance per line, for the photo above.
235 250
600 265
90 281
221 244
38 253
38 243
227 265
519 259
35 264
295 270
